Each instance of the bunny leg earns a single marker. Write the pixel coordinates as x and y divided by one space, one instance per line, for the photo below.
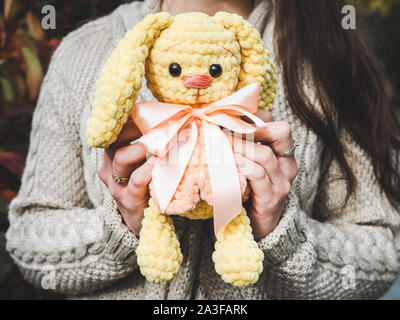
237 257
158 253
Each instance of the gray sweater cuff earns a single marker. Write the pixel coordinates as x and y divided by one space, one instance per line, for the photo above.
121 243
283 241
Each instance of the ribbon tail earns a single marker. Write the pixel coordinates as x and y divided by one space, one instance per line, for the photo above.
224 178
169 169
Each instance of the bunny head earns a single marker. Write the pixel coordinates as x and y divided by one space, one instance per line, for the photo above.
190 59
194 61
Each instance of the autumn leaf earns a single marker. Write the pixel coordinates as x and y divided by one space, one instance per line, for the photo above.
8 194
7 93
398 113
53 43
13 162
3 35
13 8
382 7
34 71
34 26
24 39
7 8
20 85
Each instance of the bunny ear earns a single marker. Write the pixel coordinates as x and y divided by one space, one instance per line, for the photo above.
121 80
257 64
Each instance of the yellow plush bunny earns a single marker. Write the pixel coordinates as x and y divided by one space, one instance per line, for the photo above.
190 59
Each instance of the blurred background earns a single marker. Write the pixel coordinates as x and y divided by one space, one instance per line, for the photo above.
25 51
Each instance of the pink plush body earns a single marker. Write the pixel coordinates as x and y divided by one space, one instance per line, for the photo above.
195 184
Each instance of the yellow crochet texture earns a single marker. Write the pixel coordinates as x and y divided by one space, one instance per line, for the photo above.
159 254
237 257
121 79
203 211
195 41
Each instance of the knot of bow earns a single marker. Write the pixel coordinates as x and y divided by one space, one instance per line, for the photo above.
170 133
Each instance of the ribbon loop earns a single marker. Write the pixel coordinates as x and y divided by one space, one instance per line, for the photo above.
163 124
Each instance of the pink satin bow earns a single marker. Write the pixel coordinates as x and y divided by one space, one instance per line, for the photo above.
162 126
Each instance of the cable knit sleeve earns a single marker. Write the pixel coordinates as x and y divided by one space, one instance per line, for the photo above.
340 253
58 238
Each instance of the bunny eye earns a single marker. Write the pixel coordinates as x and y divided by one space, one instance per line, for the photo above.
215 70
175 69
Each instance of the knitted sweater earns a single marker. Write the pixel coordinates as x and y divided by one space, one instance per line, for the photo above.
66 231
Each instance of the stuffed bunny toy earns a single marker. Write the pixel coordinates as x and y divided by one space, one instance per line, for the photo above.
205 72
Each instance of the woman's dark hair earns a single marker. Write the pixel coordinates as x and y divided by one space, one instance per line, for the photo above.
351 88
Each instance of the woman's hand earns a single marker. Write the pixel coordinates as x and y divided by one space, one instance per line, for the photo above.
126 160
270 176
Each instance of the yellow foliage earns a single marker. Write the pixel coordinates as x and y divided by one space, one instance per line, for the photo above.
382 7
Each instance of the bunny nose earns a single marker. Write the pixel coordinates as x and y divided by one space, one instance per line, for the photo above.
197 81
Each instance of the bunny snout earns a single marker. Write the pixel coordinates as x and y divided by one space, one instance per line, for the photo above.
197 81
